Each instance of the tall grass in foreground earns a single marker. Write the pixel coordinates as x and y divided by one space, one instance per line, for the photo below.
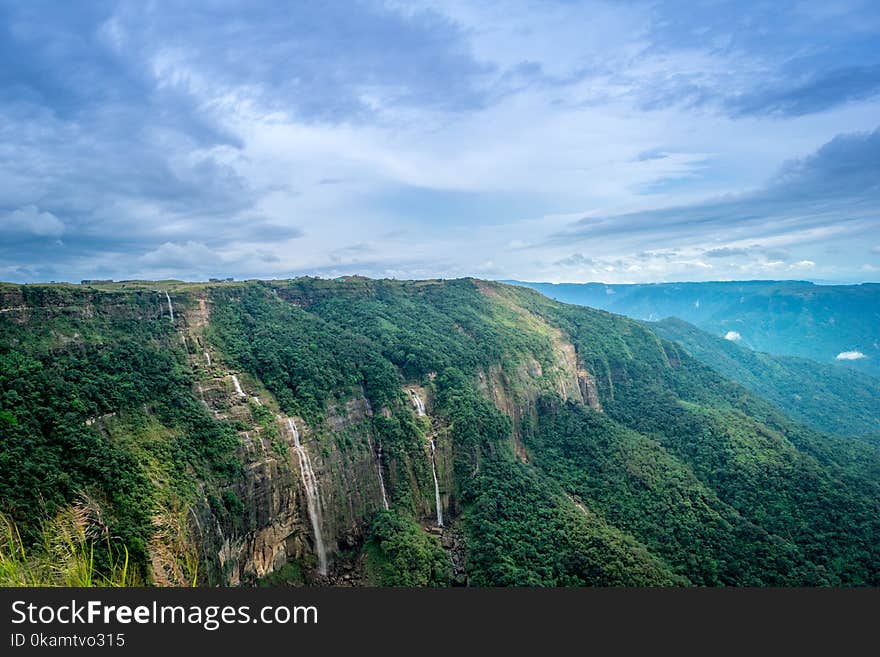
70 549
174 558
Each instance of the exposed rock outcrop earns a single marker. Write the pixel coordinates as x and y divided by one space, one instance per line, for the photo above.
270 526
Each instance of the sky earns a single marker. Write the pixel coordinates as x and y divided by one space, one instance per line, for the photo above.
545 141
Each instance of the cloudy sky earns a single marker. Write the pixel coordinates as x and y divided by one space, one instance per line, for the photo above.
554 141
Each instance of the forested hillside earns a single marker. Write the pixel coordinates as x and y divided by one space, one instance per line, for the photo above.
826 396
364 432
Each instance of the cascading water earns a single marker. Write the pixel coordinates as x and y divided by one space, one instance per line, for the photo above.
420 411
313 500
417 402
208 358
436 485
170 307
381 477
238 390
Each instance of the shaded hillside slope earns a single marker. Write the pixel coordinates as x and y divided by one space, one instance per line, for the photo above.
826 396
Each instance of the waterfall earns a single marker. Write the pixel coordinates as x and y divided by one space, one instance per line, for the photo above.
313 499
436 485
238 390
208 358
257 401
381 477
170 307
417 402
420 411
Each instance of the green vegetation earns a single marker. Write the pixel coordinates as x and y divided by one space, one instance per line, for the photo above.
288 575
400 553
66 554
639 486
523 532
78 366
784 480
682 478
827 397
298 356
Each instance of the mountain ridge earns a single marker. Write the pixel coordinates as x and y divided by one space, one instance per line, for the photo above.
570 446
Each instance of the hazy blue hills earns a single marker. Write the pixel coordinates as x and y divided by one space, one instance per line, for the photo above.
826 323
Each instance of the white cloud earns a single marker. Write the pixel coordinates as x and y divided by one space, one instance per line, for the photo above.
733 336
188 254
474 128
29 220
850 355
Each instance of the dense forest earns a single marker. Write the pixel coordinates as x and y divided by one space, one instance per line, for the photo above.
178 426
827 396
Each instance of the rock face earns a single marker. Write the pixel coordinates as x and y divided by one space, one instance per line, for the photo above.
270 526
589 391
272 530
13 306
515 393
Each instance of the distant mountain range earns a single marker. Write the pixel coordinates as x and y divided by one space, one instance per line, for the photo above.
829 397
827 323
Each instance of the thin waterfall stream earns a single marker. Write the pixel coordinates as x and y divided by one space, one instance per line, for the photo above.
381 476
420 411
436 485
313 500
170 307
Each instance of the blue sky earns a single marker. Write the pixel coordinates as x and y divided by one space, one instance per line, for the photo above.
556 141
